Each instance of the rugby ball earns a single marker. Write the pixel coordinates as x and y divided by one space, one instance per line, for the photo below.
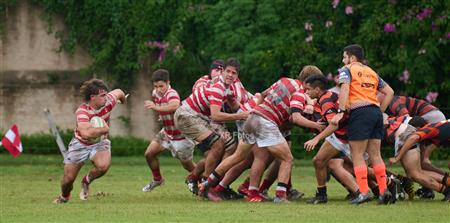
97 122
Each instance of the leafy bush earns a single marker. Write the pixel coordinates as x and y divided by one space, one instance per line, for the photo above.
405 41
43 143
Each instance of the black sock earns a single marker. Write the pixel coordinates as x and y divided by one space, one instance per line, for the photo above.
322 190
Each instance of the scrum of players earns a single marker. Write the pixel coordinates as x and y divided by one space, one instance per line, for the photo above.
353 119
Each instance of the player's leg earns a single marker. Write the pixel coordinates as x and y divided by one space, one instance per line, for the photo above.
283 153
262 158
320 161
101 160
151 156
411 163
70 174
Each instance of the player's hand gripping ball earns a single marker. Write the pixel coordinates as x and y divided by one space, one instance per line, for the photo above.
97 122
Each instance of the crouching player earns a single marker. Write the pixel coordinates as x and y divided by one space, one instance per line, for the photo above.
166 101
435 133
97 103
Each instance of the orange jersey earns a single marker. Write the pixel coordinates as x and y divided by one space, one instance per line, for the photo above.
364 83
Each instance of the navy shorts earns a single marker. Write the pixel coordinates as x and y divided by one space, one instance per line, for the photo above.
365 123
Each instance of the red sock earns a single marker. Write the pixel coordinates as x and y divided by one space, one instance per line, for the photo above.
156 174
380 173
246 183
361 178
281 190
265 185
194 177
219 188
86 179
253 191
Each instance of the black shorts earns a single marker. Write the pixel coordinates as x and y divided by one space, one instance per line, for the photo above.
365 123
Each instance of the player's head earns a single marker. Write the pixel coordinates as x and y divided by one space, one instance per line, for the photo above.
231 71
216 68
352 53
161 81
308 71
315 85
94 92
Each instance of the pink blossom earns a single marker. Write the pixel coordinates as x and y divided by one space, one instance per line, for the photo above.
335 3
330 77
405 76
389 28
176 49
162 46
431 96
425 13
348 10
309 38
328 23
308 26
448 35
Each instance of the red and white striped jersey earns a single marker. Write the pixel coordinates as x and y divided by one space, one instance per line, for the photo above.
206 95
202 81
250 104
239 93
171 95
286 94
85 112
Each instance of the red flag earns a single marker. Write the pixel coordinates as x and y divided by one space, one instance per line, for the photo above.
11 141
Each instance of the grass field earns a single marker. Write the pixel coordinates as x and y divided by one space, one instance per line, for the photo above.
30 183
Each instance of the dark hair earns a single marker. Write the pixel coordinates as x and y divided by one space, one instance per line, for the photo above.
92 87
355 50
233 62
317 80
417 122
217 64
160 75
308 71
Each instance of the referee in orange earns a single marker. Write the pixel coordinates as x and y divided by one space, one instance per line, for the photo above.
358 96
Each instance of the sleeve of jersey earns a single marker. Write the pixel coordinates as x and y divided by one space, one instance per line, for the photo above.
216 94
381 83
111 100
297 102
82 116
426 133
328 110
344 76
173 96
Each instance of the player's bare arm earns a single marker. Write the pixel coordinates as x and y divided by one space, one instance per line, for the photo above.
86 130
219 116
119 95
299 120
388 96
343 99
409 143
170 107
310 144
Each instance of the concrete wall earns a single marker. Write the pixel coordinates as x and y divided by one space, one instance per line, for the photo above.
34 75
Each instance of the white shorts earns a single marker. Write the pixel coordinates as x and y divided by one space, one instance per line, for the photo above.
181 149
261 131
79 152
434 116
344 148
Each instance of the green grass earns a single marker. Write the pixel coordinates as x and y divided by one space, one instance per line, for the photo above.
29 183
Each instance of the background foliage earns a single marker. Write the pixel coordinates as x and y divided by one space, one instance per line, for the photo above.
407 42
